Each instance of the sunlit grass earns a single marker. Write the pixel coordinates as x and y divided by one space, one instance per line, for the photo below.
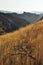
32 34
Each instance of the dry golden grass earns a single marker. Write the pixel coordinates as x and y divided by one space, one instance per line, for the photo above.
32 34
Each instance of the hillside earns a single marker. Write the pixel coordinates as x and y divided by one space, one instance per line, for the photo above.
23 47
9 23
31 17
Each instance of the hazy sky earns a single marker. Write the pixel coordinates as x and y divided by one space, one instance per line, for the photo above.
21 5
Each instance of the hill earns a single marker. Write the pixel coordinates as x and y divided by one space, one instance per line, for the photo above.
9 23
31 17
23 47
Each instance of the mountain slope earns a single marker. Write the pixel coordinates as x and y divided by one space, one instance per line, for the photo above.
31 17
9 23
13 21
24 46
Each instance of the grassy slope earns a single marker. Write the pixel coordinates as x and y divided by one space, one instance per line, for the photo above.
32 34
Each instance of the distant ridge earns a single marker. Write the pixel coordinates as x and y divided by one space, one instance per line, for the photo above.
11 21
28 16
